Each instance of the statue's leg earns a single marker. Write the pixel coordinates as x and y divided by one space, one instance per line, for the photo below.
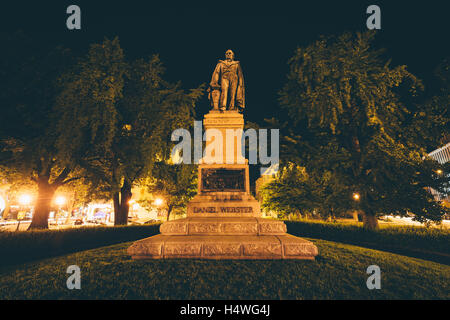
224 94
233 89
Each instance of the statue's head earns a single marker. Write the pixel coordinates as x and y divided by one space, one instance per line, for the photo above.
229 55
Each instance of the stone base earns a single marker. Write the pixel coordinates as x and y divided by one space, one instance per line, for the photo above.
224 226
223 247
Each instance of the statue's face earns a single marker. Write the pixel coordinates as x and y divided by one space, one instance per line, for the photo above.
229 55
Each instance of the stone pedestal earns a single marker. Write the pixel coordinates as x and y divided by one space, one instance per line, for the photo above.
223 238
223 219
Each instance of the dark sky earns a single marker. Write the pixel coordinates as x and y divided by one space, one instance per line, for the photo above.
190 38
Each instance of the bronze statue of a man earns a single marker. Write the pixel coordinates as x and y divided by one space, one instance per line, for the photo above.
226 89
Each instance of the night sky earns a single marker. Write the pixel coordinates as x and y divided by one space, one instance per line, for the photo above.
190 38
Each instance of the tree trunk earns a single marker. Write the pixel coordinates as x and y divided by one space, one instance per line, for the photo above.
116 201
169 210
125 197
122 207
370 221
42 206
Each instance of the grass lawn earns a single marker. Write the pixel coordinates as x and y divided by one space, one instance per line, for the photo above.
339 272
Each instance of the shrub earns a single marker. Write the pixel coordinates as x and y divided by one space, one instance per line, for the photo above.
20 247
420 242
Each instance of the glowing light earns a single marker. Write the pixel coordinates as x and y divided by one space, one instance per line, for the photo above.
439 171
25 199
60 200
356 196
2 204
159 201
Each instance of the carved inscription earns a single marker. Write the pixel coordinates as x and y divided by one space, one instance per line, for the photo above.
223 209
216 180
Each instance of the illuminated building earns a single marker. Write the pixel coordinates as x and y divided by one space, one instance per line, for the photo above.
441 155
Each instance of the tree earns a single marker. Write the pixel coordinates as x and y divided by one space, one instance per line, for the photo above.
176 184
130 113
346 117
294 191
30 127
430 125
103 119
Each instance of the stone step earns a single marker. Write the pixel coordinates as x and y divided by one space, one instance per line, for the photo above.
223 247
223 226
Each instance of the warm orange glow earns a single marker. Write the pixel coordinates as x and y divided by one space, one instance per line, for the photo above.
60 200
159 201
439 171
356 196
2 204
25 199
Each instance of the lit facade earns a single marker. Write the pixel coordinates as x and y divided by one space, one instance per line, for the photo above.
441 155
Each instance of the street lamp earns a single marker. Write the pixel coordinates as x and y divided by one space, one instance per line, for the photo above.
25 199
158 203
60 201
356 197
131 207
2 204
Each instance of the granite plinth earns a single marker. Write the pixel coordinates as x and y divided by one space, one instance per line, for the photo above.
223 226
223 247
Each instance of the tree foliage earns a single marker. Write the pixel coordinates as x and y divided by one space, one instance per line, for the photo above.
30 128
175 184
430 124
294 191
129 112
348 123
101 118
